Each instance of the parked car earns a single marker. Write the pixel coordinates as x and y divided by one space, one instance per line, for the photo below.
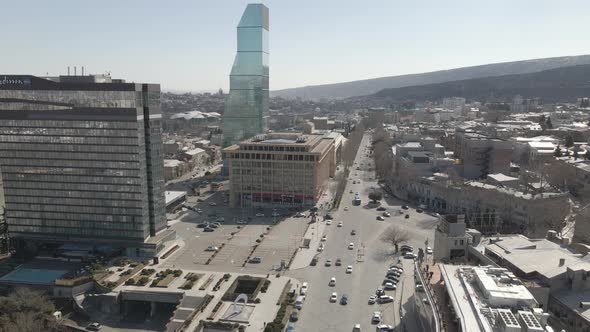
353 232
324 238
379 291
385 299
372 299
294 315
202 225
351 246
386 214
260 214
255 259
405 207
419 210
349 269
428 251
381 208
338 262
329 222
384 328
380 218
303 289
94 326
314 261
220 219
340 224
376 317
212 248
299 215
241 222
212 203
389 286
208 229
407 216
328 217
409 255
356 328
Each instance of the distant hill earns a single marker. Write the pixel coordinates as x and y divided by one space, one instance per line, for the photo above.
559 84
371 86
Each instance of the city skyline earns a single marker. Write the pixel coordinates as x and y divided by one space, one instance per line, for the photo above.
192 49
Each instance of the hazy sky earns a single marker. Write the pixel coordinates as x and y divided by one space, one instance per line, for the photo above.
190 45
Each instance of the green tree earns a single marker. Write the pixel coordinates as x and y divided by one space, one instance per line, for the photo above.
569 141
557 152
549 124
375 196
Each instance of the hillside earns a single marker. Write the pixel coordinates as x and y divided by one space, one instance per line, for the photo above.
560 84
371 86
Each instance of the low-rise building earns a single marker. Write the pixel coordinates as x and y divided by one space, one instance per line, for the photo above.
174 168
280 169
481 155
452 238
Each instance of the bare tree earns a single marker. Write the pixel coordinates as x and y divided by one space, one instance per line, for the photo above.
375 195
26 309
394 235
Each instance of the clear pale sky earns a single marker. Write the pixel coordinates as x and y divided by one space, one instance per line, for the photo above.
190 45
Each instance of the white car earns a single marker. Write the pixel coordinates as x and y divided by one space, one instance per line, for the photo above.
384 328
340 224
321 247
303 289
428 251
385 299
389 286
332 282
212 248
372 299
351 246
334 297
329 222
260 214
376 317
324 238
349 269
356 328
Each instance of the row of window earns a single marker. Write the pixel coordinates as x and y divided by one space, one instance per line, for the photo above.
82 231
73 201
70 140
72 218
71 171
269 156
78 155
73 186
73 193
273 148
77 209
56 147
77 179
127 165
90 124
108 132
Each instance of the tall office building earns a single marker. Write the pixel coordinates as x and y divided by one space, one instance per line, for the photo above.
246 105
81 160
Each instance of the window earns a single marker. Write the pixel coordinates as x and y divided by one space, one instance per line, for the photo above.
462 241
455 242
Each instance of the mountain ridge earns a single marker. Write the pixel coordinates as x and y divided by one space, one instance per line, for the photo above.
374 85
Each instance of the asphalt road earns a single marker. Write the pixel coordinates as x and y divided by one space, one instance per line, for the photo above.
369 258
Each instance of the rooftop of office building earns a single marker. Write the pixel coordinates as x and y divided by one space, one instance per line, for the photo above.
489 299
291 141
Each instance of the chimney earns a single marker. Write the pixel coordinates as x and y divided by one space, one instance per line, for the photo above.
561 261
75 69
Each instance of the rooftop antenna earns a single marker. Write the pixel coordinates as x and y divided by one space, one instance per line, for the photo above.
75 70
68 70
82 70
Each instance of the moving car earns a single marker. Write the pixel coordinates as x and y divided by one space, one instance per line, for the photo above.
386 214
381 208
324 238
344 299
332 282
329 222
356 328
351 246
428 251
338 262
314 261
213 204
407 216
340 224
212 248
321 247
260 214
299 215
328 262
372 299
405 207
241 222
353 232
349 269
220 219
328 217
380 218
346 208
334 297
409 255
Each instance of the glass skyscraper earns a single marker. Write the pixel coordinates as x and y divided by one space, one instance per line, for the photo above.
81 160
246 105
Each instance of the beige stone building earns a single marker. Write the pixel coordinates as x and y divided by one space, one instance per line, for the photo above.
280 169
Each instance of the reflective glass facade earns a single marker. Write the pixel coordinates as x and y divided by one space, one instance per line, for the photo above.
82 161
247 102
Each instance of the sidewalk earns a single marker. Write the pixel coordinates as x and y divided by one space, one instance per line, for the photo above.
305 255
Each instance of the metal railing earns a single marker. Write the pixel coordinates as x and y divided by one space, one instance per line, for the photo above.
438 326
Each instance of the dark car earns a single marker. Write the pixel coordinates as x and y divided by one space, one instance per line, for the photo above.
202 225
314 261
405 207
344 299
338 262
419 210
381 208
294 315
208 229
407 216
328 217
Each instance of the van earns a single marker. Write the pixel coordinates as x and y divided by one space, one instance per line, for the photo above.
299 301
